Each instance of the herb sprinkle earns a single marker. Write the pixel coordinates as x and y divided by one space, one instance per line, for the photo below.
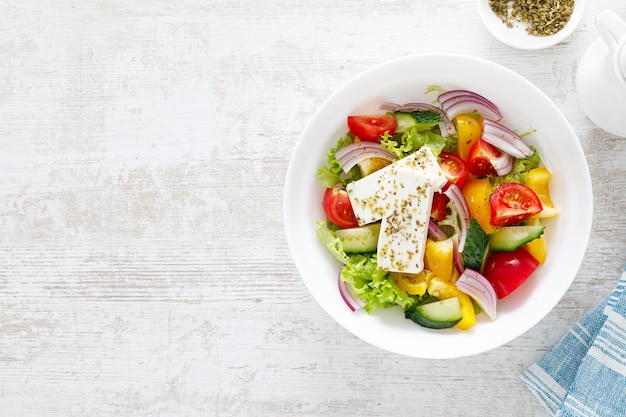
542 17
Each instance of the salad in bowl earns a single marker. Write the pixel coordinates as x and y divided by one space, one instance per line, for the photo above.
435 209
438 205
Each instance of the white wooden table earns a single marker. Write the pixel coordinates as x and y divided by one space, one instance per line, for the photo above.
143 264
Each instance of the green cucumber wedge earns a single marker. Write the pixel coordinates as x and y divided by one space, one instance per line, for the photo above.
512 237
436 315
359 239
422 120
476 246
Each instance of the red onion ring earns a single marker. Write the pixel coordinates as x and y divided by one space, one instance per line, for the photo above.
389 106
352 154
340 153
461 92
502 164
454 193
480 289
505 139
457 256
457 102
453 108
351 301
435 232
466 93
458 200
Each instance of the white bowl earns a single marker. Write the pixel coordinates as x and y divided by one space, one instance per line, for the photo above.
517 37
525 108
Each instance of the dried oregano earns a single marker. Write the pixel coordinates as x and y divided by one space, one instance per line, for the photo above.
542 17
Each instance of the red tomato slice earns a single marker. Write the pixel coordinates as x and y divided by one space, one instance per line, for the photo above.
480 156
508 270
371 128
453 167
438 210
338 208
512 203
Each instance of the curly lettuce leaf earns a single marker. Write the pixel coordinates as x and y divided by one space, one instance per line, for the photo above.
327 177
372 285
332 242
435 88
411 140
332 174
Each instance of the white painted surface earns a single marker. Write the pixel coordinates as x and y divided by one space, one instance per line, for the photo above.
143 267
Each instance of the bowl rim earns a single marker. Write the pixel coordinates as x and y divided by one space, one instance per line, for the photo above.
294 234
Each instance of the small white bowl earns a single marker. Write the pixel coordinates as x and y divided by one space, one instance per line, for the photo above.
525 108
517 37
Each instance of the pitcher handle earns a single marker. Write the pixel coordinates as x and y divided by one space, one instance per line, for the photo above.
611 28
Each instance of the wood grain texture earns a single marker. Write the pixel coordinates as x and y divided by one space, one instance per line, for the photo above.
143 265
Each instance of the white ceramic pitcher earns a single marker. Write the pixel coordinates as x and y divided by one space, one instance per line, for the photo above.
601 77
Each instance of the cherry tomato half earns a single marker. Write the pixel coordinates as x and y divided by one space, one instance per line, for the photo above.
438 210
338 208
453 167
512 203
508 270
480 156
371 128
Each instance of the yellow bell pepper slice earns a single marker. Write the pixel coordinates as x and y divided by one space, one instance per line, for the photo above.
538 180
469 130
414 284
477 193
371 165
538 248
442 289
438 258
467 310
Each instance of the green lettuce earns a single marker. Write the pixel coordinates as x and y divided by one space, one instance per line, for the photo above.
411 140
435 88
327 177
328 237
372 285
331 174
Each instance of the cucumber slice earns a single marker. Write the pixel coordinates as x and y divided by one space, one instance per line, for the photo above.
512 237
422 120
436 315
476 246
403 121
359 239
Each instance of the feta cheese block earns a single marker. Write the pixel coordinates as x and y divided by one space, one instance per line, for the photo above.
427 165
404 228
400 196
371 196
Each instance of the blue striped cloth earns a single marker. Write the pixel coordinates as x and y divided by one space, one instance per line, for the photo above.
584 373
